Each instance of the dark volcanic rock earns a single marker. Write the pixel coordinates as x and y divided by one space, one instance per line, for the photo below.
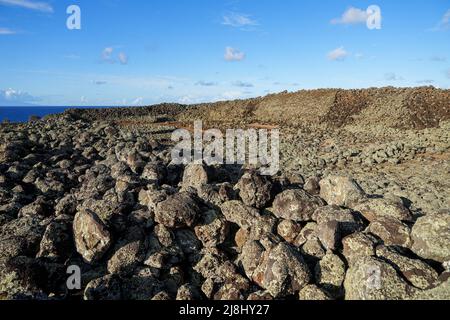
281 271
296 205
255 190
179 210
92 238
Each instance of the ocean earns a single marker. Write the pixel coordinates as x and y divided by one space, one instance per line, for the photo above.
22 114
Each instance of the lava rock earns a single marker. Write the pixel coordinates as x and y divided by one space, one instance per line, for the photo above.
282 271
431 237
370 278
372 209
296 205
57 241
212 228
358 245
417 272
392 231
255 190
92 238
125 259
104 288
341 191
237 212
177 211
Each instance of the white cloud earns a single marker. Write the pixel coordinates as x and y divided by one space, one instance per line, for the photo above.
445 22
391 76
338 54
351 16
16 95
238 20
107 55
83 99
138 101
28 4
426 81
16 98
232 95
241 84
206 83
232 54
123 58
359 55
6 31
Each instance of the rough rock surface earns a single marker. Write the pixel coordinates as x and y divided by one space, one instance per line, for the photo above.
373 279
179 210
282 271
98 189
340 191
296 205
92 238
431 237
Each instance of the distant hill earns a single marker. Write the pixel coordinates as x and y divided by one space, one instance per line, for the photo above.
419 108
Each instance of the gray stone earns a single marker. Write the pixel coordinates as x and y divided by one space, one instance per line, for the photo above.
370 278
92 238
177 211
296 205
392 231
358 245
255 190
237 212
417 272
341 191
431 237
373 209
282 271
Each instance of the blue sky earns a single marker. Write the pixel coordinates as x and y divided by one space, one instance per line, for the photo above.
134 52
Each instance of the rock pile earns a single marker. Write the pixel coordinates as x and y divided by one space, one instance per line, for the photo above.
75 193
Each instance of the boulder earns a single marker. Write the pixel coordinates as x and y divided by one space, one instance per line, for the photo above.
374 208
125 259
417 272
104 288
289 230
195 175
431 237
341 191
312 186
311 292
358 245
57 242
349 222
392 231
255 190
296 205
237 212
177 211
370 278
92 238
250 257
282 271
329 234
330 274
212 228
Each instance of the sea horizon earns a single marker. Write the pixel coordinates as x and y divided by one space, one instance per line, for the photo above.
20 114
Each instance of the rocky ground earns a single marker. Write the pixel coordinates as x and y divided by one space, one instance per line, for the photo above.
356 212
